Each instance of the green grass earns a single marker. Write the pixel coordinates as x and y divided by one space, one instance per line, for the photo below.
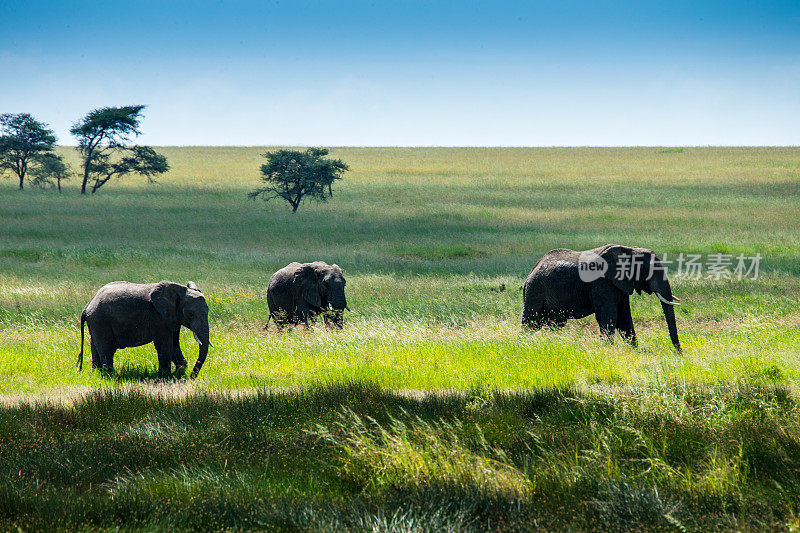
359 458
435 244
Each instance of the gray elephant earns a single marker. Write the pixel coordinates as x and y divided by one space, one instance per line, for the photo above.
123 314
300 291
567 284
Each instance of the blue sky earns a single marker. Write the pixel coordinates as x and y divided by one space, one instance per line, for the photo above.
534 73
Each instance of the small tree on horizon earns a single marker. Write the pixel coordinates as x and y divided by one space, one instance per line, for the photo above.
50 168
103 141
22 140
294 176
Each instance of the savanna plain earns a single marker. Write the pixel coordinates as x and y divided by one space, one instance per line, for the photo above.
431 410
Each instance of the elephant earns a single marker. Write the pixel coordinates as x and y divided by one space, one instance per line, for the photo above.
123 314
300 291
567 284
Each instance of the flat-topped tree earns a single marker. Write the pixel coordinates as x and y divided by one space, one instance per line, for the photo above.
104 137
22 139
294 175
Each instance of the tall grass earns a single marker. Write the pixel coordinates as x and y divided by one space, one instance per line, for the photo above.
358 458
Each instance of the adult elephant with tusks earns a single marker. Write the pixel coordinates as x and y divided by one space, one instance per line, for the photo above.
300 291
567 284
124 314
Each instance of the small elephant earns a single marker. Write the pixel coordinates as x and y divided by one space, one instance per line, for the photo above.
567 284
300 291
124 314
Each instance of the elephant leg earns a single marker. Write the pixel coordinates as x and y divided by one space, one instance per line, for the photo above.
97 359
163 344
333 318
177 354
625 322
534 314
281 319
556 320
102 356
109 365
606 316
305 317
102 347
534 318
292 318
534 321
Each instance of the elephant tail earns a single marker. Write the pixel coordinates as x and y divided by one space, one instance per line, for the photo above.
80 355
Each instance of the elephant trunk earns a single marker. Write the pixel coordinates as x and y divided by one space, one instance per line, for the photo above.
669 315
202 337
80 355
664 292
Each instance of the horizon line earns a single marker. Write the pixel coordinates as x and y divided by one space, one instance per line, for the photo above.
462 145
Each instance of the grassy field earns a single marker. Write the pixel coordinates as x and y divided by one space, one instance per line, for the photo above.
431 410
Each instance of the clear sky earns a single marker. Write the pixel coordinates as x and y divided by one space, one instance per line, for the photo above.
532 73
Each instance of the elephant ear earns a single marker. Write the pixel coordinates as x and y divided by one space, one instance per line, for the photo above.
165 297
305 279
619 272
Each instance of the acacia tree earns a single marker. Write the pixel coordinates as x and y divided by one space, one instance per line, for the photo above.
104 137
294 176
50 170
22 139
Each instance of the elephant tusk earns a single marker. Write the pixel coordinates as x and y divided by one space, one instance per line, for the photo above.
676 298
664 300
199 342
